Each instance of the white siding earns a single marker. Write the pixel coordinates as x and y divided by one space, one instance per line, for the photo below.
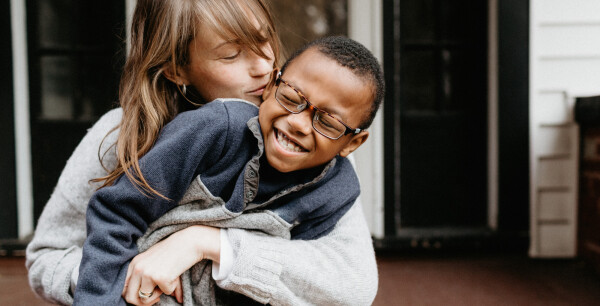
561 11
568 40
564 64
571 74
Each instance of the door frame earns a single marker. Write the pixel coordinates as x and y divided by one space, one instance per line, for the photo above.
382 217
21 119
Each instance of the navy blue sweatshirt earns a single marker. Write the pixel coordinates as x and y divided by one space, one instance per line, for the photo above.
221 145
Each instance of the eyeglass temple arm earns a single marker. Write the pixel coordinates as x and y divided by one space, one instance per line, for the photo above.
353 132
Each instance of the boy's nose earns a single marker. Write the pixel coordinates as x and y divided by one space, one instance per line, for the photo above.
301 123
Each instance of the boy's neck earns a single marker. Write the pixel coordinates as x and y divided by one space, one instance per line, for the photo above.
266 170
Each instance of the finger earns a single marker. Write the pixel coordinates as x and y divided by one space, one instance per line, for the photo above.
129 268
178 291
131 293
148 301
146 289
167 286
154 299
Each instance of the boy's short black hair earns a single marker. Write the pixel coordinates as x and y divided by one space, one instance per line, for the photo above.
353 55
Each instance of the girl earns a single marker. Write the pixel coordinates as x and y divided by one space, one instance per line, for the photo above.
184 53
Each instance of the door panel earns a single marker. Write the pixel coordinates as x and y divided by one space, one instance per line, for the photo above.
440 186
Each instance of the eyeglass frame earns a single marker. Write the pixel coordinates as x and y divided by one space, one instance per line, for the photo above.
309 105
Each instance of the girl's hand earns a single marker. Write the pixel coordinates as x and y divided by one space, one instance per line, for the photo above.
157 270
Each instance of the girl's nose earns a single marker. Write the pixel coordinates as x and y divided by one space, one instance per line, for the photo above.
262 66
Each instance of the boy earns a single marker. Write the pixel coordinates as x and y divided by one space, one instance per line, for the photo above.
301 184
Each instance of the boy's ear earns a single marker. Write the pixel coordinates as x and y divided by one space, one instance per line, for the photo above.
271 84
178 77
357 141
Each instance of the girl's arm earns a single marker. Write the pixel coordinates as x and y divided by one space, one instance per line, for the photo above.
54 254
337 269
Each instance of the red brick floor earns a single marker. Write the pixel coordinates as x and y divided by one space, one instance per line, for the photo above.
485 280
428 280
14 288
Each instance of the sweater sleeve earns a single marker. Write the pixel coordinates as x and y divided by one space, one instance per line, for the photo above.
336 269
119 214
54 252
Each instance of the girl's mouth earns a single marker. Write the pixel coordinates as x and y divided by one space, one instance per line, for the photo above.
257 92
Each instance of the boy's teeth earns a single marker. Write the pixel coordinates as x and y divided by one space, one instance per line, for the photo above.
286 143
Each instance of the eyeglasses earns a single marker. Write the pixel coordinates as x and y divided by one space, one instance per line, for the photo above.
323 122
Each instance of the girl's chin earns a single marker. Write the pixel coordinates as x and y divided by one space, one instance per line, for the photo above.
256 100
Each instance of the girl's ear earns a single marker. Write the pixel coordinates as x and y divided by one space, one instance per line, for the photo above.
356 141
175 75
271 83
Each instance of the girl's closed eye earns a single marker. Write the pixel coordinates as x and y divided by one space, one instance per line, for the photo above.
231 55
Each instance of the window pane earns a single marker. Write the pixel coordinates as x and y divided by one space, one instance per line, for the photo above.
418 81
455 72
55 31
417 21
452 20
57 90
95 24
96 90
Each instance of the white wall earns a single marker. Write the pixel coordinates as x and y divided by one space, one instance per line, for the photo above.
564 64
365 22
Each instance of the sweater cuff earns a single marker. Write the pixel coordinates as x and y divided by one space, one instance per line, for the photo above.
221 270
257 267
74 277
60 284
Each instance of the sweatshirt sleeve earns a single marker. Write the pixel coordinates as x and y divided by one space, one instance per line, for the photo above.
336 269
118 215
54 252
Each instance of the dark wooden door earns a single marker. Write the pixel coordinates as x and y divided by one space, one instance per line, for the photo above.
76 51
8 191
587 115
436 114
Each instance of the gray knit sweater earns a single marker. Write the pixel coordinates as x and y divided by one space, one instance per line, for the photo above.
338 269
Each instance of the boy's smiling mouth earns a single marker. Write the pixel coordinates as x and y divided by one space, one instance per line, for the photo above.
286 143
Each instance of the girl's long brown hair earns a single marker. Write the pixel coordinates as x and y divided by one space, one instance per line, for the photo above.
161 33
